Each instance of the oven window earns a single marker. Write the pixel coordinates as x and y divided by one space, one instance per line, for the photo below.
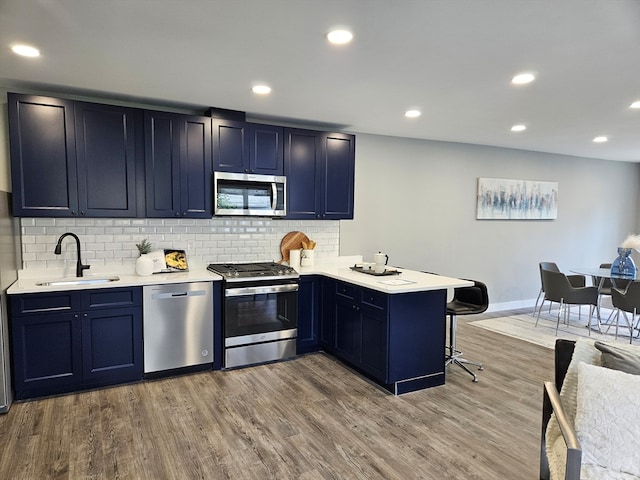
254 314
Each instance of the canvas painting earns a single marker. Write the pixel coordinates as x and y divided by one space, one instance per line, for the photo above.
505 199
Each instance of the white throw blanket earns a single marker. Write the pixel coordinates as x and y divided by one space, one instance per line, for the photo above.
586 352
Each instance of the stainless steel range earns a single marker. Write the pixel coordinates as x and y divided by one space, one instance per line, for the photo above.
260 317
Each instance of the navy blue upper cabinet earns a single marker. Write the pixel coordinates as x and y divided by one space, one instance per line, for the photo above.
319 168
71 158
230 145
43 156
196 166
266 149
337 179
301 167
242 147
106 155
177 165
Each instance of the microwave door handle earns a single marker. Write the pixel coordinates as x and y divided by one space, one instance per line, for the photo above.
274 196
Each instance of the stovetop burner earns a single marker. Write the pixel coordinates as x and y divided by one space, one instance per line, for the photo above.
250 271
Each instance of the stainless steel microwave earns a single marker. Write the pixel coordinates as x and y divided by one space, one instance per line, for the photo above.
249 195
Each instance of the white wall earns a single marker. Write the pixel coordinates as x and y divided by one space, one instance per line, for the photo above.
416 201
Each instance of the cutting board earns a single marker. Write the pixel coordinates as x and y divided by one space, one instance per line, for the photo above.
291 241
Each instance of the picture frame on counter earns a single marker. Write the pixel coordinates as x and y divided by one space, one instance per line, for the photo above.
509 199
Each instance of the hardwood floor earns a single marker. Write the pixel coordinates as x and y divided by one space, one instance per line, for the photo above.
310 418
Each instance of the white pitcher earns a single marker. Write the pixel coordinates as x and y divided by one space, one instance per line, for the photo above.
380 260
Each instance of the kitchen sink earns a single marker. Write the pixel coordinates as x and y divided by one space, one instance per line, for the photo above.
77 281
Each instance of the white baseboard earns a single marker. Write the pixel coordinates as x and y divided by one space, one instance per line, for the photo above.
499 307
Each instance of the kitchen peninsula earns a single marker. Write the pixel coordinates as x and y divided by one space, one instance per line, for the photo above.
390 329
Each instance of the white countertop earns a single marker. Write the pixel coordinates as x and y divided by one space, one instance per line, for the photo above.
407 281
337 268
27 279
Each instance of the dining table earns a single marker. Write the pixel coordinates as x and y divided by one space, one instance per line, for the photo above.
603 273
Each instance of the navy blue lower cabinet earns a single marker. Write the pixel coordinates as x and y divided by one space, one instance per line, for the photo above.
112 346
68 341
326 319
309 313
46 354
373 353
397 340
347 330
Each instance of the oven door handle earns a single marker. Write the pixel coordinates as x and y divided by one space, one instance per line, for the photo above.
238 292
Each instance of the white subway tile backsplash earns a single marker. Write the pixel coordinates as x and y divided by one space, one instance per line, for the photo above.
112 242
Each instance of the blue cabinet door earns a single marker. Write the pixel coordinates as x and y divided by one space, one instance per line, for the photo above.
42 146
326 320
302 156
230 146
348 330
106 155
178 165
46 354
195 167
112 346
309 313
374 351
266 149
162 164
337 178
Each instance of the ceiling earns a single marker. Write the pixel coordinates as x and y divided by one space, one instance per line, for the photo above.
452 59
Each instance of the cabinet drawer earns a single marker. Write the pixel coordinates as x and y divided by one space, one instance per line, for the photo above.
113 298
346 290
374 299
44 302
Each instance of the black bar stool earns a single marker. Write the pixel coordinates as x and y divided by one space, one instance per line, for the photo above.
466 301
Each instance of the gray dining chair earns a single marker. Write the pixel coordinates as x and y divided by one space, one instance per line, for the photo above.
558 288
627 301
575 280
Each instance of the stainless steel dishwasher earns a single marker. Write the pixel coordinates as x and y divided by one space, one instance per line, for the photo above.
178 325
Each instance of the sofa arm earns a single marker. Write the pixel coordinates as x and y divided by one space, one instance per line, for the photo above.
552 403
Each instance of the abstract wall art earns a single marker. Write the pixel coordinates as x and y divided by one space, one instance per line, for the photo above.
506 199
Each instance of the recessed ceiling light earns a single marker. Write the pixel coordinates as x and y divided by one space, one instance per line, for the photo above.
523 78
635 104
340 36
600 139
261 89
26 50
518 128
412 113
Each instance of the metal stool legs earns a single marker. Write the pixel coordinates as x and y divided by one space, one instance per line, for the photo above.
455 355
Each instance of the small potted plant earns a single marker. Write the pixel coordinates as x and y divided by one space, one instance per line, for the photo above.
144 246
144 264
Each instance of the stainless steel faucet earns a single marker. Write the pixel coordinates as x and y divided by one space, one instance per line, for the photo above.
79 266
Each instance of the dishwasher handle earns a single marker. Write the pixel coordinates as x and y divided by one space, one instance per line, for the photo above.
188 293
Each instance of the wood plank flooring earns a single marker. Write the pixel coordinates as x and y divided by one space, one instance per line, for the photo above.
310 419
